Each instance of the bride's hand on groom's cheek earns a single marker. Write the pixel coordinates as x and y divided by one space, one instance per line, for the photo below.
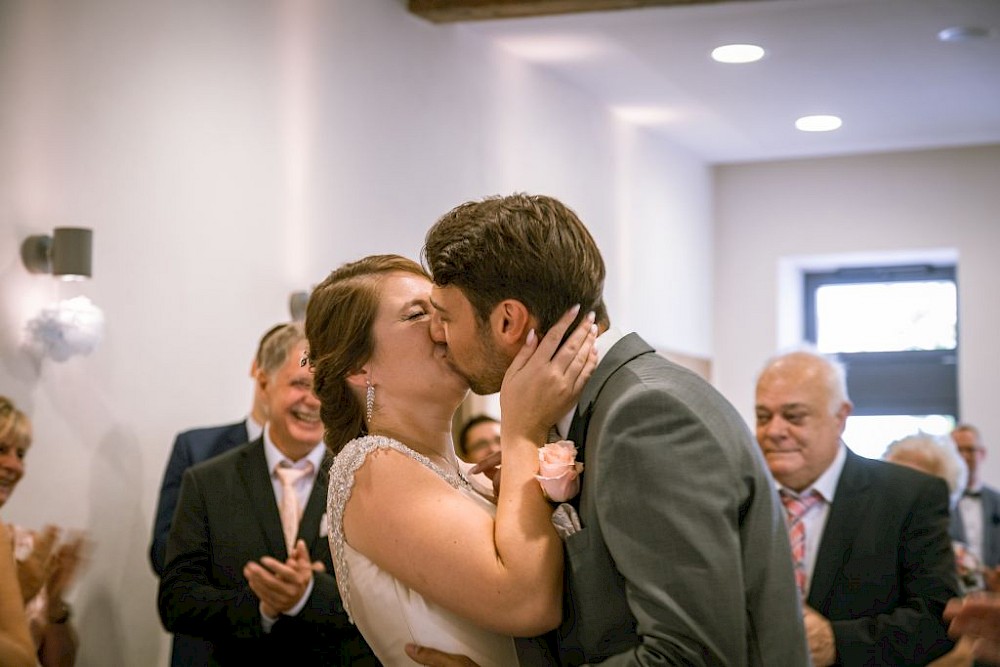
434 658
546 376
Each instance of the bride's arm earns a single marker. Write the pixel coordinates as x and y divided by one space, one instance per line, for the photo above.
530 405
504 575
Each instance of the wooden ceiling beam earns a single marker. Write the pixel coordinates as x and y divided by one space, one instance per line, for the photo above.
452 11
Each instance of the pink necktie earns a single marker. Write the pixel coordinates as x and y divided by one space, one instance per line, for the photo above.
796 509
289 508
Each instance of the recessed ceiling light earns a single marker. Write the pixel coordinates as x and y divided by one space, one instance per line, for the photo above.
737 53
963 33
818 123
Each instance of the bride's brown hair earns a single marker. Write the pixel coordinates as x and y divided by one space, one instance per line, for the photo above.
339 320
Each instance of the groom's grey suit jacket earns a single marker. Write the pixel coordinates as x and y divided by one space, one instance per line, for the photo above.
683 557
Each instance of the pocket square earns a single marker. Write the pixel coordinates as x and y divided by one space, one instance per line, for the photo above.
566 520
324 526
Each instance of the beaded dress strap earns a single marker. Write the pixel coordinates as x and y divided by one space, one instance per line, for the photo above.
345 465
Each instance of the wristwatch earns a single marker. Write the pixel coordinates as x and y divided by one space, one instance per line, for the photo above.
59 613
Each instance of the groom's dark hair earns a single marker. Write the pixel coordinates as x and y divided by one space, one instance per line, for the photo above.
531 248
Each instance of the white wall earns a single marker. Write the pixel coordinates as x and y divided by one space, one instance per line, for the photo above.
920 202
227 153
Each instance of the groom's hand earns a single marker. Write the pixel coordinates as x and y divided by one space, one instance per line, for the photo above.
434 658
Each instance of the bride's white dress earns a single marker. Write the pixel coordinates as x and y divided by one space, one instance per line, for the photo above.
388 613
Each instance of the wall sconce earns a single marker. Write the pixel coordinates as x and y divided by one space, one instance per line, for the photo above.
66 328
66 254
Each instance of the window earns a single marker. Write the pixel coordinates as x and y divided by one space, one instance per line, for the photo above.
895 329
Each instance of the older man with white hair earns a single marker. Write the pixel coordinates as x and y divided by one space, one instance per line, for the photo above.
869 539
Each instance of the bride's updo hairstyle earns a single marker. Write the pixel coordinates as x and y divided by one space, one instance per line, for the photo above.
339 320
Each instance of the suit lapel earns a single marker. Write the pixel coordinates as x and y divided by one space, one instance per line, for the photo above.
625 350
622 352
313 514
852 497
257 481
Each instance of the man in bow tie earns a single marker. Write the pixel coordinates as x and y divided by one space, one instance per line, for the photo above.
247 564
977 519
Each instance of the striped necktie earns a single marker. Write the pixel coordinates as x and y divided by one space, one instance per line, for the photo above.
796 508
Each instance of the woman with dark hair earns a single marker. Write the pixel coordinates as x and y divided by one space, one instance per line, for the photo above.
420 556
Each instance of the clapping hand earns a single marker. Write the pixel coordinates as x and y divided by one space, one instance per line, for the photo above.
34 571
64 565
546 377
977 616
280 585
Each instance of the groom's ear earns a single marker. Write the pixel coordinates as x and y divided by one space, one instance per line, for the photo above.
511 321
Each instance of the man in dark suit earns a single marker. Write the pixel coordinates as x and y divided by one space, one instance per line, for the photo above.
976 521
191 447
676 499
874 554
282 608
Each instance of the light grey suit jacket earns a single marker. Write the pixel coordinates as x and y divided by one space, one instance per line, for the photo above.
990 499
683 557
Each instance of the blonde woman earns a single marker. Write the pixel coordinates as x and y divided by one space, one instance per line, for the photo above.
16 648
45 566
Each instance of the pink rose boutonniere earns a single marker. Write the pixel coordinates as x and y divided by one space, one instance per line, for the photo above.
558 471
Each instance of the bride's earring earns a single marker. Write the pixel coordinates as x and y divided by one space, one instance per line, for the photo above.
369 402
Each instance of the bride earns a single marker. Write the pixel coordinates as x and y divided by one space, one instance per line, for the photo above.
420 556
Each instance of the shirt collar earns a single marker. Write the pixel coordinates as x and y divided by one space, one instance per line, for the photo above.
273 455
603 344
826 484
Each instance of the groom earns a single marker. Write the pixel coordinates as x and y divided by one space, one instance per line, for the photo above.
683 555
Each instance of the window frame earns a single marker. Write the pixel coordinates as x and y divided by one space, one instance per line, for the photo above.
907 382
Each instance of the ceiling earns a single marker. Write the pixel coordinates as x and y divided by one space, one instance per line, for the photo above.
876 63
